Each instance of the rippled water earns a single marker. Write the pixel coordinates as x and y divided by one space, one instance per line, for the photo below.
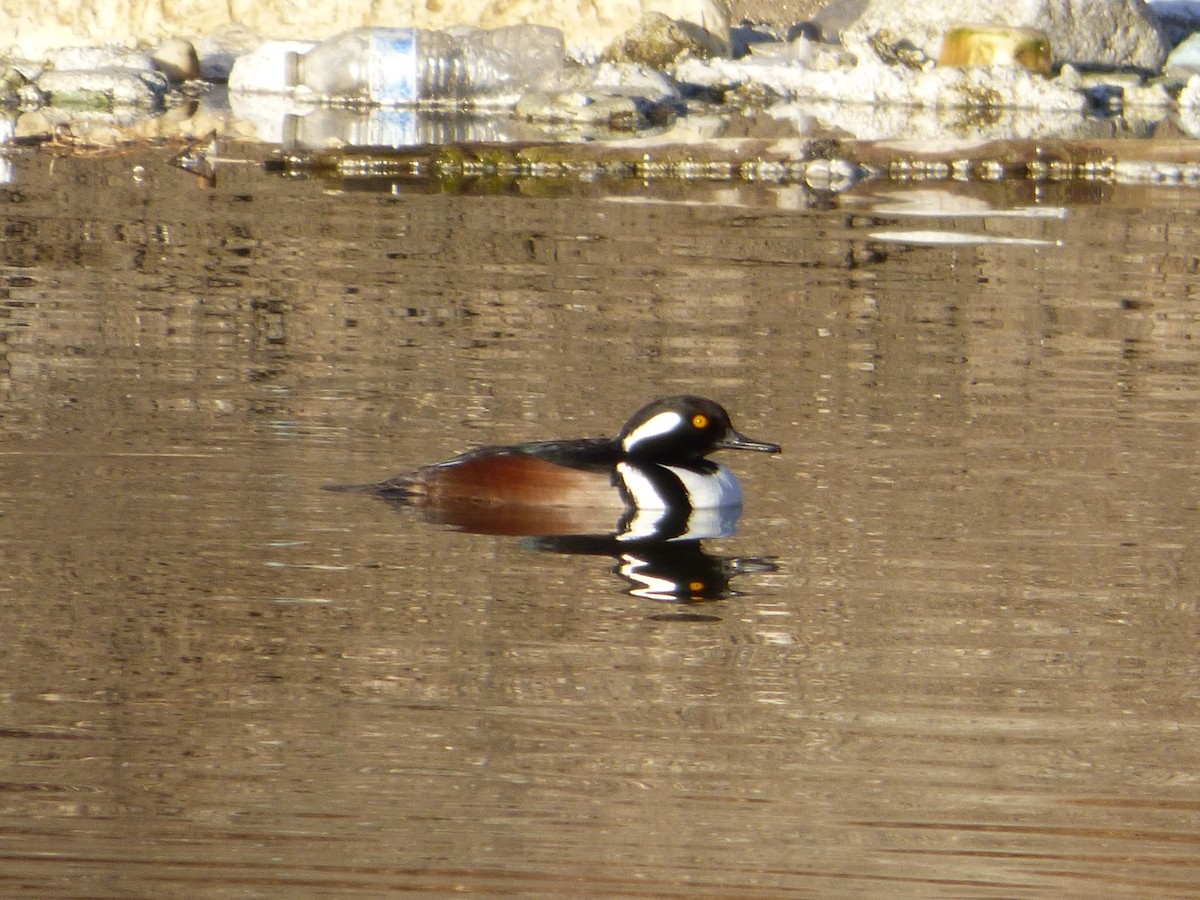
959 659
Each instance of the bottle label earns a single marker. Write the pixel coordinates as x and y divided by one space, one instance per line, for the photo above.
392 66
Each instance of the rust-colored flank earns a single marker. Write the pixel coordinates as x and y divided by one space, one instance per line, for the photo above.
514 479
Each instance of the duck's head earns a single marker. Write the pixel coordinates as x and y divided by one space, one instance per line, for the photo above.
683 429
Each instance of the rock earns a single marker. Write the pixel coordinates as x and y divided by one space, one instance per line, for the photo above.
897 50
12 85
84 59
872 81
588 25
621 95
1107 33
103 88
835 17
1189 97
1185 59
1178 18
657 41
177 60
817 56
744 37
218 51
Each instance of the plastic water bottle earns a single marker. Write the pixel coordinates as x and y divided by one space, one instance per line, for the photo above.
417 67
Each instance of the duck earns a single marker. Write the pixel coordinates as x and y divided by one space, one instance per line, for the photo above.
658 461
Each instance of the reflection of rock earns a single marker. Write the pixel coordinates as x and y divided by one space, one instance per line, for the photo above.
1110 33
1189 99
895 122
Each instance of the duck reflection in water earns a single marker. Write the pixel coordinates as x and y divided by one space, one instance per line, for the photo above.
646 497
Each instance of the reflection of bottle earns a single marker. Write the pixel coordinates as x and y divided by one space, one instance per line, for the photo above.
327 127
410 66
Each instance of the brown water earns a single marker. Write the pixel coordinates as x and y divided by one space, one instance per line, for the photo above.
962 661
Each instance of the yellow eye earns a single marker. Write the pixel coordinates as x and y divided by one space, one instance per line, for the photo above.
700 420
696 586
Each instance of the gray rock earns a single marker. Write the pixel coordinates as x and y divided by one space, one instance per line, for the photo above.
177 59
220 50
658 41
622 95
1179 18
1108 33
617 79
836 16
103 88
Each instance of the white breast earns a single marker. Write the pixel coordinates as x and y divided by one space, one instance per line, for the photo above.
710 491
720 489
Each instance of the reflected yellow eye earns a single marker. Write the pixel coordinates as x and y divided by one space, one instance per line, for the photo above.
700 420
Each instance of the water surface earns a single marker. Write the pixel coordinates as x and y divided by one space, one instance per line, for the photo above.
964 667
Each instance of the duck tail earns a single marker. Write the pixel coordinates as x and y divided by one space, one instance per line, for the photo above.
392 489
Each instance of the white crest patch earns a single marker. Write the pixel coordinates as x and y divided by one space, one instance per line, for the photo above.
663 423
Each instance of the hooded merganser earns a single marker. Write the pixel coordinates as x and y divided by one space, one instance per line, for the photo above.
657 462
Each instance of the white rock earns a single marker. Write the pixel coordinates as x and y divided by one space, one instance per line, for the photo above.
1184 59
1090 32
82 59
588 25
871 81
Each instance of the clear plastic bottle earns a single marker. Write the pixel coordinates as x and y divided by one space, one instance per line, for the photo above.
417 67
